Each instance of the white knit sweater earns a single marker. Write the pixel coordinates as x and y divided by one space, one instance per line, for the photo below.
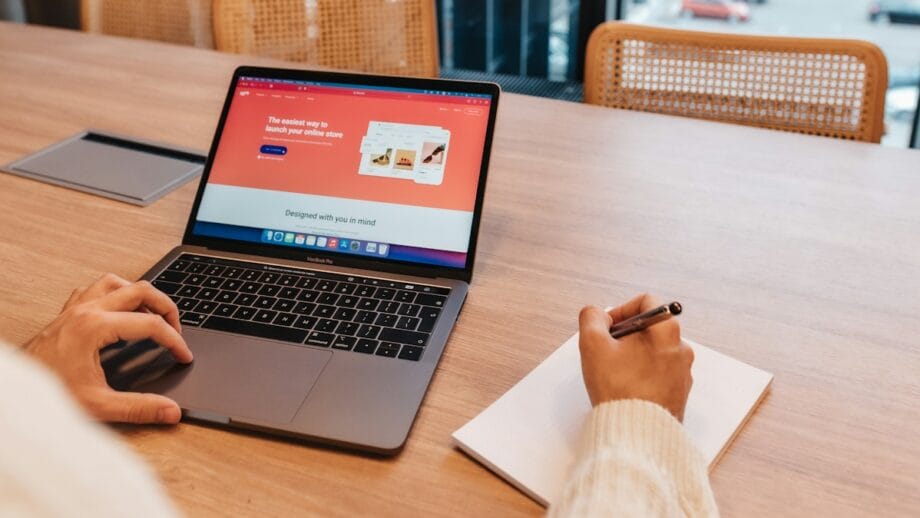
636 460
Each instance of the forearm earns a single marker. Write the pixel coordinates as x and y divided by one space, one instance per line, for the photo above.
636 460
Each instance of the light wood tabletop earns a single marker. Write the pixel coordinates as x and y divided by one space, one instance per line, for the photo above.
797 254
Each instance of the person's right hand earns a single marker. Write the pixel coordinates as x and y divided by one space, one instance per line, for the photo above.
653 365
110 310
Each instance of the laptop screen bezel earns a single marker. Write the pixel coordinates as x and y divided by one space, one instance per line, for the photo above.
342 259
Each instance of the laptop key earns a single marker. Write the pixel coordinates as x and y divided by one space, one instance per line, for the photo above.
233 273
368 304
305 322
168 288
347 301
179 265
264 315
384 293
186 304
405 296
196 268
269 290
388 307
328 298
365 317
245 299
364 291
231 284
407 323
172 276
215 270
427 299
344 314
324 311
326 325
368 331
410 352
269 278
244 313
304 308
207 294
404 337
306 283
347 328
345 288
326 285
250 287
249 275
388 349
409 310
188 291
284 305
386 320
265 302
288 280
192 319
320 339
226 297
225 310
288 293
195 279
287 334
205 306
308 295
365 346
285 319
344 342
429 316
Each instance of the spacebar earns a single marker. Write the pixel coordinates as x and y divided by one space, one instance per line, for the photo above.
288 334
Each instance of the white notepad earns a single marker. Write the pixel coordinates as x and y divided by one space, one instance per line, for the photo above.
529 435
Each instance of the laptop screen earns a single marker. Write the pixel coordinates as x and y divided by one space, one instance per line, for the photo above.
371 171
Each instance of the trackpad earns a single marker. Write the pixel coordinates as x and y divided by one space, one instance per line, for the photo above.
236 376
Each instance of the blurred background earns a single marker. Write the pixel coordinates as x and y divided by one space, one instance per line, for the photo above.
537 47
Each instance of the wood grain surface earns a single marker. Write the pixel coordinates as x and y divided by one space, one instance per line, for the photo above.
797 254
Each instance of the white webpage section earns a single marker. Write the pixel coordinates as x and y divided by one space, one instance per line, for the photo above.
424 227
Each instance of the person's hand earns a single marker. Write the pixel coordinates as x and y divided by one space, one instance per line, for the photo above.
110 310
653 365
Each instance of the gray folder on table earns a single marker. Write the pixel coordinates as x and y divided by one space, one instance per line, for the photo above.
126 169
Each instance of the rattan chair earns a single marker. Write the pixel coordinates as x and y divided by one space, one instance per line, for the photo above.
186 22
397 37
828 87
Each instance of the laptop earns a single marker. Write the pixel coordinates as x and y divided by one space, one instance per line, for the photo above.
327 255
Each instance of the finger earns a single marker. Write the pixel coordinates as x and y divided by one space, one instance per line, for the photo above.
74 298
103 286
140 326
593 325
141 295
664 334
635 306
134 407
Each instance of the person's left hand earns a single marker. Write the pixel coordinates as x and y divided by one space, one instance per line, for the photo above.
110 310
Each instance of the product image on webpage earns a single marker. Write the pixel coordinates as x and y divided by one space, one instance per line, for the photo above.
412 152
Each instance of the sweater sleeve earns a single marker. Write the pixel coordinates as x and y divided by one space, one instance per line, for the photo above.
635 459
54 461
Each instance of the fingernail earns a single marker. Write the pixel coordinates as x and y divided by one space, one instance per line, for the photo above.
168 415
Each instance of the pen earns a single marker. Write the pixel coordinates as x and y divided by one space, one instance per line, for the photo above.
644 320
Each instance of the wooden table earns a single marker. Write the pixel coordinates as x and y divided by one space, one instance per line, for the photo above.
800 255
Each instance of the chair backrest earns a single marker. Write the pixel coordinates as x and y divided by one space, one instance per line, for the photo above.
186 22
828 87
397 37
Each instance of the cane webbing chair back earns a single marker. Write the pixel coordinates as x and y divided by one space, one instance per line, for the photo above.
186 22
828 87
397 37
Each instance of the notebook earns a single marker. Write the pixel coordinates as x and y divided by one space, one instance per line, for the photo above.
529 435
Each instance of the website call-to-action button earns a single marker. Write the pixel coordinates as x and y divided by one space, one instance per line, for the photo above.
273 150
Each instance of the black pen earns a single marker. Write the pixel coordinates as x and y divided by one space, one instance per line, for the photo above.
643 320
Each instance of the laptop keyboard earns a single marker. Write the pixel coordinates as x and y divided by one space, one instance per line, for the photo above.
345 312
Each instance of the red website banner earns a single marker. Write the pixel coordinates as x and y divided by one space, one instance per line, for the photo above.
314 142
